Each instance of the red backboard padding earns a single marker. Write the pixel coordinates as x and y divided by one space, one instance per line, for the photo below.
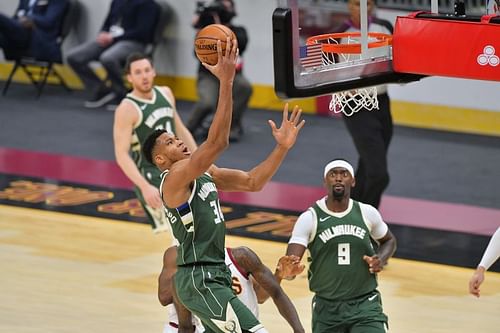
447 47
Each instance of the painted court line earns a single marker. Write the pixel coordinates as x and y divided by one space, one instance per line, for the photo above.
396 210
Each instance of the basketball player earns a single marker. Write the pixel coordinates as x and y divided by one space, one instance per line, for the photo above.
338 233
190 194
142 111
491 254
252 282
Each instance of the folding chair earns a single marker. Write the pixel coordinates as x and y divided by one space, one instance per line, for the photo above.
38 71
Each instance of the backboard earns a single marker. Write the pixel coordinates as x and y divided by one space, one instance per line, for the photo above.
302 70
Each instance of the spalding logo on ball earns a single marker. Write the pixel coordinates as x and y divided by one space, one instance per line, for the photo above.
205 43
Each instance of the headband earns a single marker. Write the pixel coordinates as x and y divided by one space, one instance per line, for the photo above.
339 164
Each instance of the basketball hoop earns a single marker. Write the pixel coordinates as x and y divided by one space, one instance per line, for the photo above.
345 47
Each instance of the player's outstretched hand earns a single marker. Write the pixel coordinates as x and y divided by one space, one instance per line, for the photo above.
225 68
475 282
374 263
289 266
290 127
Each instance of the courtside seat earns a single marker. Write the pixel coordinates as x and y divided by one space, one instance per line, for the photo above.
39 71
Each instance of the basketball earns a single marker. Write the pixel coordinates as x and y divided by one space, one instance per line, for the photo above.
205 43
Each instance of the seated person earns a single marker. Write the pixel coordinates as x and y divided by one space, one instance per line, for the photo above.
34 30
128 28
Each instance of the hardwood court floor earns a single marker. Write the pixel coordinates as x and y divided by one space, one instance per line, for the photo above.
71 273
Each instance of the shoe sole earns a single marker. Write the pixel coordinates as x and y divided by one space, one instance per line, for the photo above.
101 102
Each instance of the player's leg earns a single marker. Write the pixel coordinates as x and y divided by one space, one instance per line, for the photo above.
326 316
366 314
369 327
245 317
206 292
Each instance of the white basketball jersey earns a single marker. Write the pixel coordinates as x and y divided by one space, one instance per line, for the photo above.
242 284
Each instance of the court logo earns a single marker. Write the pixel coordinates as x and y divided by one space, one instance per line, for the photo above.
488 57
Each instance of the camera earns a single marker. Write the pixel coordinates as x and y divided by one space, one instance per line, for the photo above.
207 9
215 6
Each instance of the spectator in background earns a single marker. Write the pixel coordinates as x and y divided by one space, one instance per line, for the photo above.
221 12
371 131
34 29
128 28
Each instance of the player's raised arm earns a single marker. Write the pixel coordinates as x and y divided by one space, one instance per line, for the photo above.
168 152
255 179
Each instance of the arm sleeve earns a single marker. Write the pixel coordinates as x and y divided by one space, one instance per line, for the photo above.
378 228
492 252
303 229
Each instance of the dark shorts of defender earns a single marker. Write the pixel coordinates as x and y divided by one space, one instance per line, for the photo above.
362 314
206 291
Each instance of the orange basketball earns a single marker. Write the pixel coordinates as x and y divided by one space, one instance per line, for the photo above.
205 43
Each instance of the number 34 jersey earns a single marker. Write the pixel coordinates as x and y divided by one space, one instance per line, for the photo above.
198 224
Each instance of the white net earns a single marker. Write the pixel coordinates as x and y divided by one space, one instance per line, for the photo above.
352 101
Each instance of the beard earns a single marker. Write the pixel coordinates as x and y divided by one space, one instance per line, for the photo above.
338 195
144 89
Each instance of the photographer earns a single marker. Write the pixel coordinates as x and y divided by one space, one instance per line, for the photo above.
220 12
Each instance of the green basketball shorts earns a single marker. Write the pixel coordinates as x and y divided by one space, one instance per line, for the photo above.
362 314
206 291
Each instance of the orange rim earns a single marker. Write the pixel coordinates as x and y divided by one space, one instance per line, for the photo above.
355 48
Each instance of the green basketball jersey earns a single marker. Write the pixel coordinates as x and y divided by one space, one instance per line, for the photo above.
198 225
154 114
337 270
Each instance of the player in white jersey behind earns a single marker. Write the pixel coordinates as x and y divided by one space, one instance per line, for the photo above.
490 255
252 282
